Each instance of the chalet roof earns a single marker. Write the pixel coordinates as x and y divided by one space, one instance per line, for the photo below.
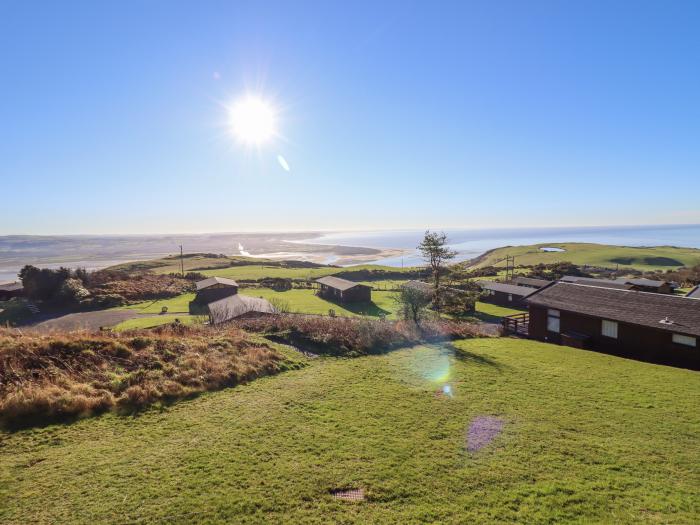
337 283
531 281
666 312
694 293
520 291
605 283
211 281
11 287
642 281
236 305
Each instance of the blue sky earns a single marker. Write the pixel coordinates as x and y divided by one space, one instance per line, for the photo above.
391 115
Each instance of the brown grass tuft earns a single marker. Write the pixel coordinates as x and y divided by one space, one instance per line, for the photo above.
44 377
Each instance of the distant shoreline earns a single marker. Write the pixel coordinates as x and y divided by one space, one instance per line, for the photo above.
388 247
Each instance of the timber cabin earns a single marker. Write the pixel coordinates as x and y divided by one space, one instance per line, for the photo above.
10 290
652 327
532 282
213 289
503 294
343 291
624 283
218 298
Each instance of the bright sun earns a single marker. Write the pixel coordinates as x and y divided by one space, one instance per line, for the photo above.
252 120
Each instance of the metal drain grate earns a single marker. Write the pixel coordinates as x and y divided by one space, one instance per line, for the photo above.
349 494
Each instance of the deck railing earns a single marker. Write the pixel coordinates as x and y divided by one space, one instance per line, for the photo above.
516 324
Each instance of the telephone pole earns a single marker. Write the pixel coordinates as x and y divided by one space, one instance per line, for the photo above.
182 263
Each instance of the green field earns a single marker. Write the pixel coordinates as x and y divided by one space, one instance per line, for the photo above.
586 438
297 300
260 271
156 320
654 258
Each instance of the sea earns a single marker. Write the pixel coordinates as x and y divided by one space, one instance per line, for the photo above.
102 251
470 243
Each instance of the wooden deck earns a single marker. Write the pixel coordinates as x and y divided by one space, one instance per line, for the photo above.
516 324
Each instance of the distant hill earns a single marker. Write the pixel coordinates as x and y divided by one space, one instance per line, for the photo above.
602 255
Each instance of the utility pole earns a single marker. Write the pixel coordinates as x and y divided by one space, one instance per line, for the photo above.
182 263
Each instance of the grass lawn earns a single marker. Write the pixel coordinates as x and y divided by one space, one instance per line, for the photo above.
306 301
156 320
12 312
586 437
178 304
654 258
493 313
259 271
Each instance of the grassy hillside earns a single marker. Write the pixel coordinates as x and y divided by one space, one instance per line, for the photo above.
654 258
586 437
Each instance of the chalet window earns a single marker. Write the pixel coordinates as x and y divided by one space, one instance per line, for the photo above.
510 297
685 340
609 329
553 320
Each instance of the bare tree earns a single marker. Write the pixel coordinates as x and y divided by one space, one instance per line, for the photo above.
434 250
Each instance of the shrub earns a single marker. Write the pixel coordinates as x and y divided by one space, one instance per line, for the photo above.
346 336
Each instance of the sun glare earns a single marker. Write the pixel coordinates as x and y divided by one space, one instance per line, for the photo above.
252 121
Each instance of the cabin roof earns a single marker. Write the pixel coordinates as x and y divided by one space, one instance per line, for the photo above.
642 281
666 312
211 281
531 281
11 287
521 291
604 283
236 305
337 283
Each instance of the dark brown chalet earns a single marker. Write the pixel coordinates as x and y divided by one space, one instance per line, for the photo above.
504 294
212 289
624 283
649 326
10 290
343 291
532 282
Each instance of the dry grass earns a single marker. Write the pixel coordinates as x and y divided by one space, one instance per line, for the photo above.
138 287
58 376
352 336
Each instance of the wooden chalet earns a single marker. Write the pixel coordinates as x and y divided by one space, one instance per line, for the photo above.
531 282
213 289
625 283
343 291
504 294
10 290
653 327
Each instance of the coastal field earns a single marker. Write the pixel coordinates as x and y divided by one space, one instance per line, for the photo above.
602 255
297 300
574 436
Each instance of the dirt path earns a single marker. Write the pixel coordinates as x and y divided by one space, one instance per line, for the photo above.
85 320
